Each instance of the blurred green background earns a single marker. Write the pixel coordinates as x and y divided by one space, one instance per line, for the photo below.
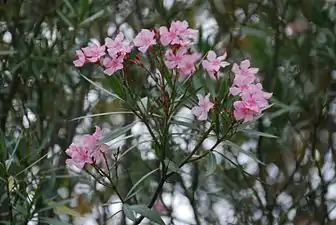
293 42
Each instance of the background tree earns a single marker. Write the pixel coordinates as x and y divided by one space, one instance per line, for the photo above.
288 180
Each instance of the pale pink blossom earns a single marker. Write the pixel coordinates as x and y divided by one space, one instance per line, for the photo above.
254 95
88 151
240 84
80 61
178 34
244 111
213 63
166 37
173 60
244 69
160 207
204 105
118 45
188 65
112 64
94 52
144 40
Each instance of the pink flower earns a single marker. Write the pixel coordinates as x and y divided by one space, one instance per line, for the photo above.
160 207
88 151
244 69
144 40
245 111
254 95
214 63
178 34
167 37
240 84
113 64
187 65
171 60
204 106
79 156
81 59
118 45
94 52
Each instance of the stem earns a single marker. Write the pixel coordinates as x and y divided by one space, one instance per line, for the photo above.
111 181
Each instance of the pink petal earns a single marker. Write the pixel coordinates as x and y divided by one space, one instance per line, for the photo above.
235 69
245 64
170 64
253 71
197 111
203 116
109 71
211 55
78 63
223 57
119 37
143 49
235 91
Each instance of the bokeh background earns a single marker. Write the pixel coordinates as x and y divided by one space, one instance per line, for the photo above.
288 180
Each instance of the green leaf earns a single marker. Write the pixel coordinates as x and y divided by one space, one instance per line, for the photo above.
171 166
55 205
69 5
185 124
257 133
128 212
92 18
7 52
9 162
53 221
148 213
116 86
31 165
210 164
114 134
239 149
64 18
101 88
140 181
101 114
3 149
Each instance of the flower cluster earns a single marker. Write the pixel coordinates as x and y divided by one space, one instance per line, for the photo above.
253 98
176 43
178 39
88 151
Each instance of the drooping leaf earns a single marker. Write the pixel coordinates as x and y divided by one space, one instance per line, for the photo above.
140 181
210 164
258 133
239 149
148 213
171 166
185 124
53 221
101 88
116 133
128 212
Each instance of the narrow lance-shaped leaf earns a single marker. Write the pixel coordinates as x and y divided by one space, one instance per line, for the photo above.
116 133
140 181
128 212
210 164
148 213
239 149
258 133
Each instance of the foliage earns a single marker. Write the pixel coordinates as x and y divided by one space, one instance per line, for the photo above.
45 103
